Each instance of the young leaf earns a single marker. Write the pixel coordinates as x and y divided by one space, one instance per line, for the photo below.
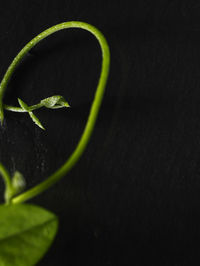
26 233
55 102
25 107
36 120
18 182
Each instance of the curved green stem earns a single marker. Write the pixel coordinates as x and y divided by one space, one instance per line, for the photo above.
63 170
8 185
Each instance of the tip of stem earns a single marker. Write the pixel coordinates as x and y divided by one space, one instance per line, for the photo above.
41 126
67 105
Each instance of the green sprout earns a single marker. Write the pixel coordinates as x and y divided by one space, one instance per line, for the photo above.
53 102
27 231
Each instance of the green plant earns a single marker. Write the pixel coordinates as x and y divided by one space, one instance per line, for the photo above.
27 231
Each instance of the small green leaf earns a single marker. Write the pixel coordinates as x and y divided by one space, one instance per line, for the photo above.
26 233
55 102
18 182
23 105
36 120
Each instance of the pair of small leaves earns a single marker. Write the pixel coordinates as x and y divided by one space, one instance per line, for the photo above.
26 233
26 108
53 102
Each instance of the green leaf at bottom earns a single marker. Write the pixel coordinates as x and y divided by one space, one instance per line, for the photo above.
26 233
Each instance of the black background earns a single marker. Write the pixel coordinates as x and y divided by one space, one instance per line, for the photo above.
133 198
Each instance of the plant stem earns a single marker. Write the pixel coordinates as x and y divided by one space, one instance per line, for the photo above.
7 180
20 110
4 173
63 170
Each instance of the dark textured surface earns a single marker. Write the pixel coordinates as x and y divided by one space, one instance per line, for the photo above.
133 199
